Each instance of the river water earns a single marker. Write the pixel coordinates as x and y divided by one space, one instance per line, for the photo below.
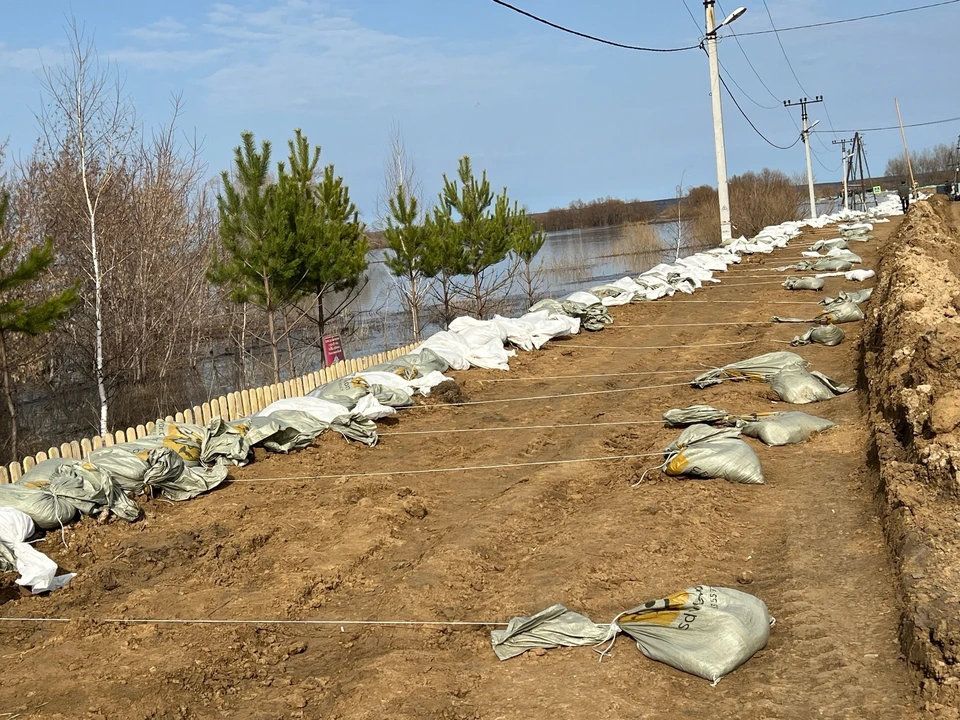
570 260
377 321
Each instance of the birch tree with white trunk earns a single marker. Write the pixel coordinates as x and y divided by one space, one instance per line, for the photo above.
87 119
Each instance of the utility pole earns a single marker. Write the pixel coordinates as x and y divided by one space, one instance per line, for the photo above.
906 150
843 166
803 102
956 175
723 192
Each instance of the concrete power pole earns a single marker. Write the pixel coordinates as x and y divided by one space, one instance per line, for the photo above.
906 150
846 171
803 102
723 193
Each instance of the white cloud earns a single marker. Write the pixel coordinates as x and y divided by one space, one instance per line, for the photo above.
26 59
162 31
305 54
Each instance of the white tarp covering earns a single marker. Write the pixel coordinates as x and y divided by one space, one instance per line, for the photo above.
37 571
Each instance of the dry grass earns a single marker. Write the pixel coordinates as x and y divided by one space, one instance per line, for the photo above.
639 240
757 200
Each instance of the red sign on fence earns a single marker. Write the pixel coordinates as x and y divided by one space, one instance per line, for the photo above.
332 349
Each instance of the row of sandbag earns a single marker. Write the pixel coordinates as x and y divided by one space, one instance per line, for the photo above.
177 461
706 631
705 451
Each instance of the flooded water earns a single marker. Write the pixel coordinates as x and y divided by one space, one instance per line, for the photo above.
569 260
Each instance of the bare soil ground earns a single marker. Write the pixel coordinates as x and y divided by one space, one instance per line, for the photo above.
912 363
486 545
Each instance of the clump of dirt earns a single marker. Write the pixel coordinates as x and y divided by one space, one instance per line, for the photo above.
449 391
912 372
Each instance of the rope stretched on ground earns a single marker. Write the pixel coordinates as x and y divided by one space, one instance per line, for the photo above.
596 375
663 347
617 326
209 621
523 427
470 468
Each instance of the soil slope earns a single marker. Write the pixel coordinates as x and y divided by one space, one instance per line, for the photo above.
912 362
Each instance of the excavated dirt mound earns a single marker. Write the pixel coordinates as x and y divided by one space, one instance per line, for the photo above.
308 539
912 365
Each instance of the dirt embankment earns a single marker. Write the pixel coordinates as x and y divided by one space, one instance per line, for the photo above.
912 368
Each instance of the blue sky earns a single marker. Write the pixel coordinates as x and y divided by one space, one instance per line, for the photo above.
553 117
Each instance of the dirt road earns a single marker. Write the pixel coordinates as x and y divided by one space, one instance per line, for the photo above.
493 544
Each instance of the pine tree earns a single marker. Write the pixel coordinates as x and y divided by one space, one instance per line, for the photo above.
444 260
335 254
409 241
21 314
261 263
527 242
479 221
330 237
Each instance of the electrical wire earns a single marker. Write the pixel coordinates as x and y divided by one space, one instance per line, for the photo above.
800 85
745 93
851 20
783 49
894 127
750 64
750 122
593 37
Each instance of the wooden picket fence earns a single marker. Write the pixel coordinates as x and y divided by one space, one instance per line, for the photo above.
230 407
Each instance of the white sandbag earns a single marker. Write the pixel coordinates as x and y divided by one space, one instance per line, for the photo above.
803 283
829 335
761 367
835 243
865 226
584 298
37 571
422 385
859 275
462 351
372 409
682 417
323 410
846 255
705 452
705 631
482 330
786 428
855 296
545 326
798 387
554 627
617 300
841 311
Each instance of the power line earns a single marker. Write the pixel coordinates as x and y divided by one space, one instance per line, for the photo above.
799 84
593 37
745 93
783 49
852 20
747 118
895 127
750 64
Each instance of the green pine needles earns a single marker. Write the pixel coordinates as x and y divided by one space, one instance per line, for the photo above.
27 307
288 240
